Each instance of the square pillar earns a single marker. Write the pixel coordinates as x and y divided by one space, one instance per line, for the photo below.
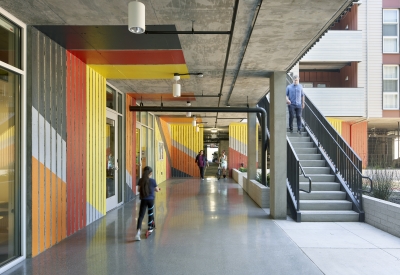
278 145
252 140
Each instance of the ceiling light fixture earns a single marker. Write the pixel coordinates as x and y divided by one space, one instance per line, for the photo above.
136 17
214 130
188 114
194 121
176 87
196 74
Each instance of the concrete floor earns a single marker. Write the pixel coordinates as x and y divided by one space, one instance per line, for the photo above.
213 227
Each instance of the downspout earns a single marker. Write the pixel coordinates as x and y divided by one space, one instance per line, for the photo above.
213 110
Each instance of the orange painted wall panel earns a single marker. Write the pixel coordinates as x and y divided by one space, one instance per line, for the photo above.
346 132
359 141
35 207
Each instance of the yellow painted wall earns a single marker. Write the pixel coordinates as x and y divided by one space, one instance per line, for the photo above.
336 123
96 145
161 164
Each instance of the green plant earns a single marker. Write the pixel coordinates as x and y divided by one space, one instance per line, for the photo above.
258 178
242 169
382 180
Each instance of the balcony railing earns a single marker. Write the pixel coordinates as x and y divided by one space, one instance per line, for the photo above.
337 46
349 102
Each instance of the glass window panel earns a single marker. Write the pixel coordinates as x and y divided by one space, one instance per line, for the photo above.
390 16
390 30
111 98
151 121
119 103
143 118
145 147
390 45
150 151
390 86
390 101
390 72
10 43
9 184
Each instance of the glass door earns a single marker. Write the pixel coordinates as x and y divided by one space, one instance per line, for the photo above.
111 160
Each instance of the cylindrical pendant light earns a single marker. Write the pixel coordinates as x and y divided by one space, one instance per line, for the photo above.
136 17
176 90
188 114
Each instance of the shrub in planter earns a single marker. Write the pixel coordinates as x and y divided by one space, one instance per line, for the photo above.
242 169
382 180
258 178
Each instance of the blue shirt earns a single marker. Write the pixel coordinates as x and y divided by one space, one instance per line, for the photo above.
295 93
152 186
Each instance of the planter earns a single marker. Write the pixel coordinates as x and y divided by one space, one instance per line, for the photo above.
238 176
382 214
258 192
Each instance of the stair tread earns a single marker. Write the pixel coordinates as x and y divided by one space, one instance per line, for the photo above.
328 212
325 201
319 192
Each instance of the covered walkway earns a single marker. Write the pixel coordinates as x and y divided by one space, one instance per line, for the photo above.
213 227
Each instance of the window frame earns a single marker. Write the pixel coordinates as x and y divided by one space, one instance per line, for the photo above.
390 37
390 93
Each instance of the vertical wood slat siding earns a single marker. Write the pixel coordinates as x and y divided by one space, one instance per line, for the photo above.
76 140
166 136
161 164
346 129
349 20
237 145
48 130
187 142
96 145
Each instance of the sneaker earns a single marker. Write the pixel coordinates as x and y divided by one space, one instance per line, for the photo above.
299 132
202 178
291 131
150 229
224 176
137 237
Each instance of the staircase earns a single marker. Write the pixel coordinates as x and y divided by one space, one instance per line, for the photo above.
326 202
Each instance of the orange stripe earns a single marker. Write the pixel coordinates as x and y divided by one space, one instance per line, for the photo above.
48 209
35 209
54 208
41 207
64 210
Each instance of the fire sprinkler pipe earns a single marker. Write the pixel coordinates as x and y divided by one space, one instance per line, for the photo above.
257 110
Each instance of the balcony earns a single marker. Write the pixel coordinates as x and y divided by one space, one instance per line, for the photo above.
336 46
339 102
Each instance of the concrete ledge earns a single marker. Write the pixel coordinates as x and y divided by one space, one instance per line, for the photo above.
382 214
258 192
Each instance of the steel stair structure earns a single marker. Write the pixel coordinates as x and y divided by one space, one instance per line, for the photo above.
327 202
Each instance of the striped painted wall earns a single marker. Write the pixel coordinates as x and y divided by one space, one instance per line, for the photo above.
47 86
160 160
76 143
237 145
336 123
95 145
186 143
130 154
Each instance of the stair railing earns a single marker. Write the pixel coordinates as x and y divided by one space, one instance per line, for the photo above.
345 161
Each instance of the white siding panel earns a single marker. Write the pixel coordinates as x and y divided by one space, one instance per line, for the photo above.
338 101
337 46
370 69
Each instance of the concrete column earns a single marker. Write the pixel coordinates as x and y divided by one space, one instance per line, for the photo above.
251 146
278 145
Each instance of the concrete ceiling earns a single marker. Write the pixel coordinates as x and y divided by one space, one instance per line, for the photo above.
268 36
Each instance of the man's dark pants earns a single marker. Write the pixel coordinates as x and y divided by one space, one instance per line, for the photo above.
295 109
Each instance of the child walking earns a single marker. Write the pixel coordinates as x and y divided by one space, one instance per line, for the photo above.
147 186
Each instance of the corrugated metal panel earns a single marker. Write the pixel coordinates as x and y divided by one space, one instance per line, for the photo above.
76 143
237 145
338 101
130 154
95 142
372 49
359 141
48 142
336 123
186 143
346 132
166 135
161 163
330 47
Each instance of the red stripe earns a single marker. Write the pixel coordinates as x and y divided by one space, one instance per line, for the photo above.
120 57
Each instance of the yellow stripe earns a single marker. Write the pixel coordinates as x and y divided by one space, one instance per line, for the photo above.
336 123
140 71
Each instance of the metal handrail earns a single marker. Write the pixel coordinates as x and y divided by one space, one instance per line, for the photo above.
345 160
307 177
